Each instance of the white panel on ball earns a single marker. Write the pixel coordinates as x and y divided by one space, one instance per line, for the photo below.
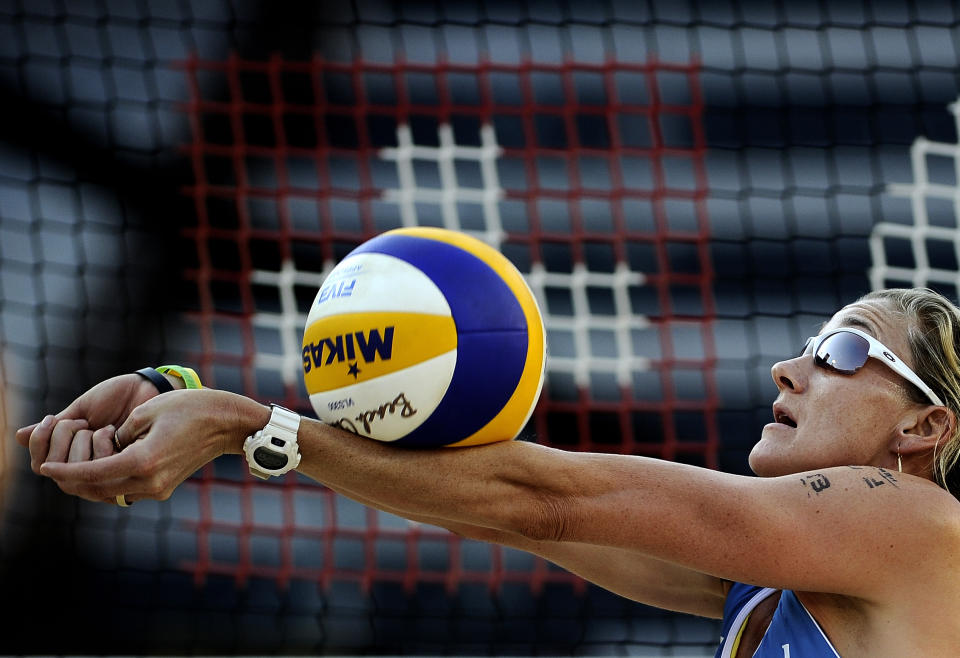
388 406
377 282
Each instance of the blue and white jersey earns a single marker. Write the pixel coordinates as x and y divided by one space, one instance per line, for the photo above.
793 632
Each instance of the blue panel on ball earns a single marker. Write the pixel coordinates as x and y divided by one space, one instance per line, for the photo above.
489 365
492 337
479 299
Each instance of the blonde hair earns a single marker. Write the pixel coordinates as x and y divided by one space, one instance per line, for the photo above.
934 337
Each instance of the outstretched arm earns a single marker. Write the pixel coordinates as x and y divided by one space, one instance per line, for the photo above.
815 531
180 431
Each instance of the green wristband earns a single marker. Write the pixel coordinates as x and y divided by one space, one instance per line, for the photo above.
189 376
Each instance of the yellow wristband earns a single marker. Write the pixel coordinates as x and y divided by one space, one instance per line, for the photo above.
189 376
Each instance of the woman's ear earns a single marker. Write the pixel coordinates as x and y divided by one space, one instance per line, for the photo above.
923 430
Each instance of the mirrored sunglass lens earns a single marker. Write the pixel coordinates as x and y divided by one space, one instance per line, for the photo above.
843 352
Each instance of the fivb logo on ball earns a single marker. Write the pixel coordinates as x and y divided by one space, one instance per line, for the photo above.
425 337
350 347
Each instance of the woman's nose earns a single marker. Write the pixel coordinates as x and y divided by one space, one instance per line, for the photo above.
788 374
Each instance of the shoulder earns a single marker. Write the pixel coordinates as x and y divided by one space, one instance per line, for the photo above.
831 530
940 515
907 505
923 501
914 524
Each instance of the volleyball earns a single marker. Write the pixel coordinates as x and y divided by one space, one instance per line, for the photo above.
425 337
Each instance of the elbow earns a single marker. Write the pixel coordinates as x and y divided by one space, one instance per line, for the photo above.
546 517
535 494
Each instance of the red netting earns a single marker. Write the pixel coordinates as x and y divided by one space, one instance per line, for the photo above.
587 160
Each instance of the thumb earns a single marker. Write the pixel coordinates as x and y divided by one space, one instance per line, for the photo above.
137 424
73 411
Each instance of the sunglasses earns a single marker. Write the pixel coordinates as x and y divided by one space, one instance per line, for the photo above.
847 350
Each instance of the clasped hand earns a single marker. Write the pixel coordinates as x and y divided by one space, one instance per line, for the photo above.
163 439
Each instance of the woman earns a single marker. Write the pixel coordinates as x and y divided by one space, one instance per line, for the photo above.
847 544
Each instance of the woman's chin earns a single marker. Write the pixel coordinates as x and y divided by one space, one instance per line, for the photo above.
768 462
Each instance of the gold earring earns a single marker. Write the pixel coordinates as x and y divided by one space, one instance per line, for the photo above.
899 462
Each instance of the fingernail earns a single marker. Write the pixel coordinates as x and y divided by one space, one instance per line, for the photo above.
46 422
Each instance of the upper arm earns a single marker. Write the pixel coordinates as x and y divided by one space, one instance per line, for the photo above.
640 577
622 571
626 572
841 530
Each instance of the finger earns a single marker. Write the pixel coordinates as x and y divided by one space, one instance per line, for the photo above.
39 442
81 447
97 492
115 467
24 433
103 442
119 440
62 438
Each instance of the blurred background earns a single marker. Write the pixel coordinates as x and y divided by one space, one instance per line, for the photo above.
689 188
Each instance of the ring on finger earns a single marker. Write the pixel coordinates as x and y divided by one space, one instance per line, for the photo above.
116 442
122 501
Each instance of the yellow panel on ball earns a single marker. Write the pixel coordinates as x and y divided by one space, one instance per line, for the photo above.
346 349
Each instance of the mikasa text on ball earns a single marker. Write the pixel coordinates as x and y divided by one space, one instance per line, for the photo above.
425 337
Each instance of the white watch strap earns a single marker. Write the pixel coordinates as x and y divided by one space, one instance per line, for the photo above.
283 419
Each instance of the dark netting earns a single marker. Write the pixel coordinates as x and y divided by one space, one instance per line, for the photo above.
689 190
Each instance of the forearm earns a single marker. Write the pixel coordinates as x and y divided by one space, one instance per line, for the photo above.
483 486
373 474
494 486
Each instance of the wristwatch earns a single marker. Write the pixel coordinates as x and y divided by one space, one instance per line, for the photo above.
273 450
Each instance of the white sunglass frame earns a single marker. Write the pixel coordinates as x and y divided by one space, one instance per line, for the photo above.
876 350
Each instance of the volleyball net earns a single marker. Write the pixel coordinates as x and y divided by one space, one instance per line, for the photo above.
595 188
687 196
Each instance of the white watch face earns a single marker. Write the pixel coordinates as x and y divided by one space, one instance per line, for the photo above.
269 459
